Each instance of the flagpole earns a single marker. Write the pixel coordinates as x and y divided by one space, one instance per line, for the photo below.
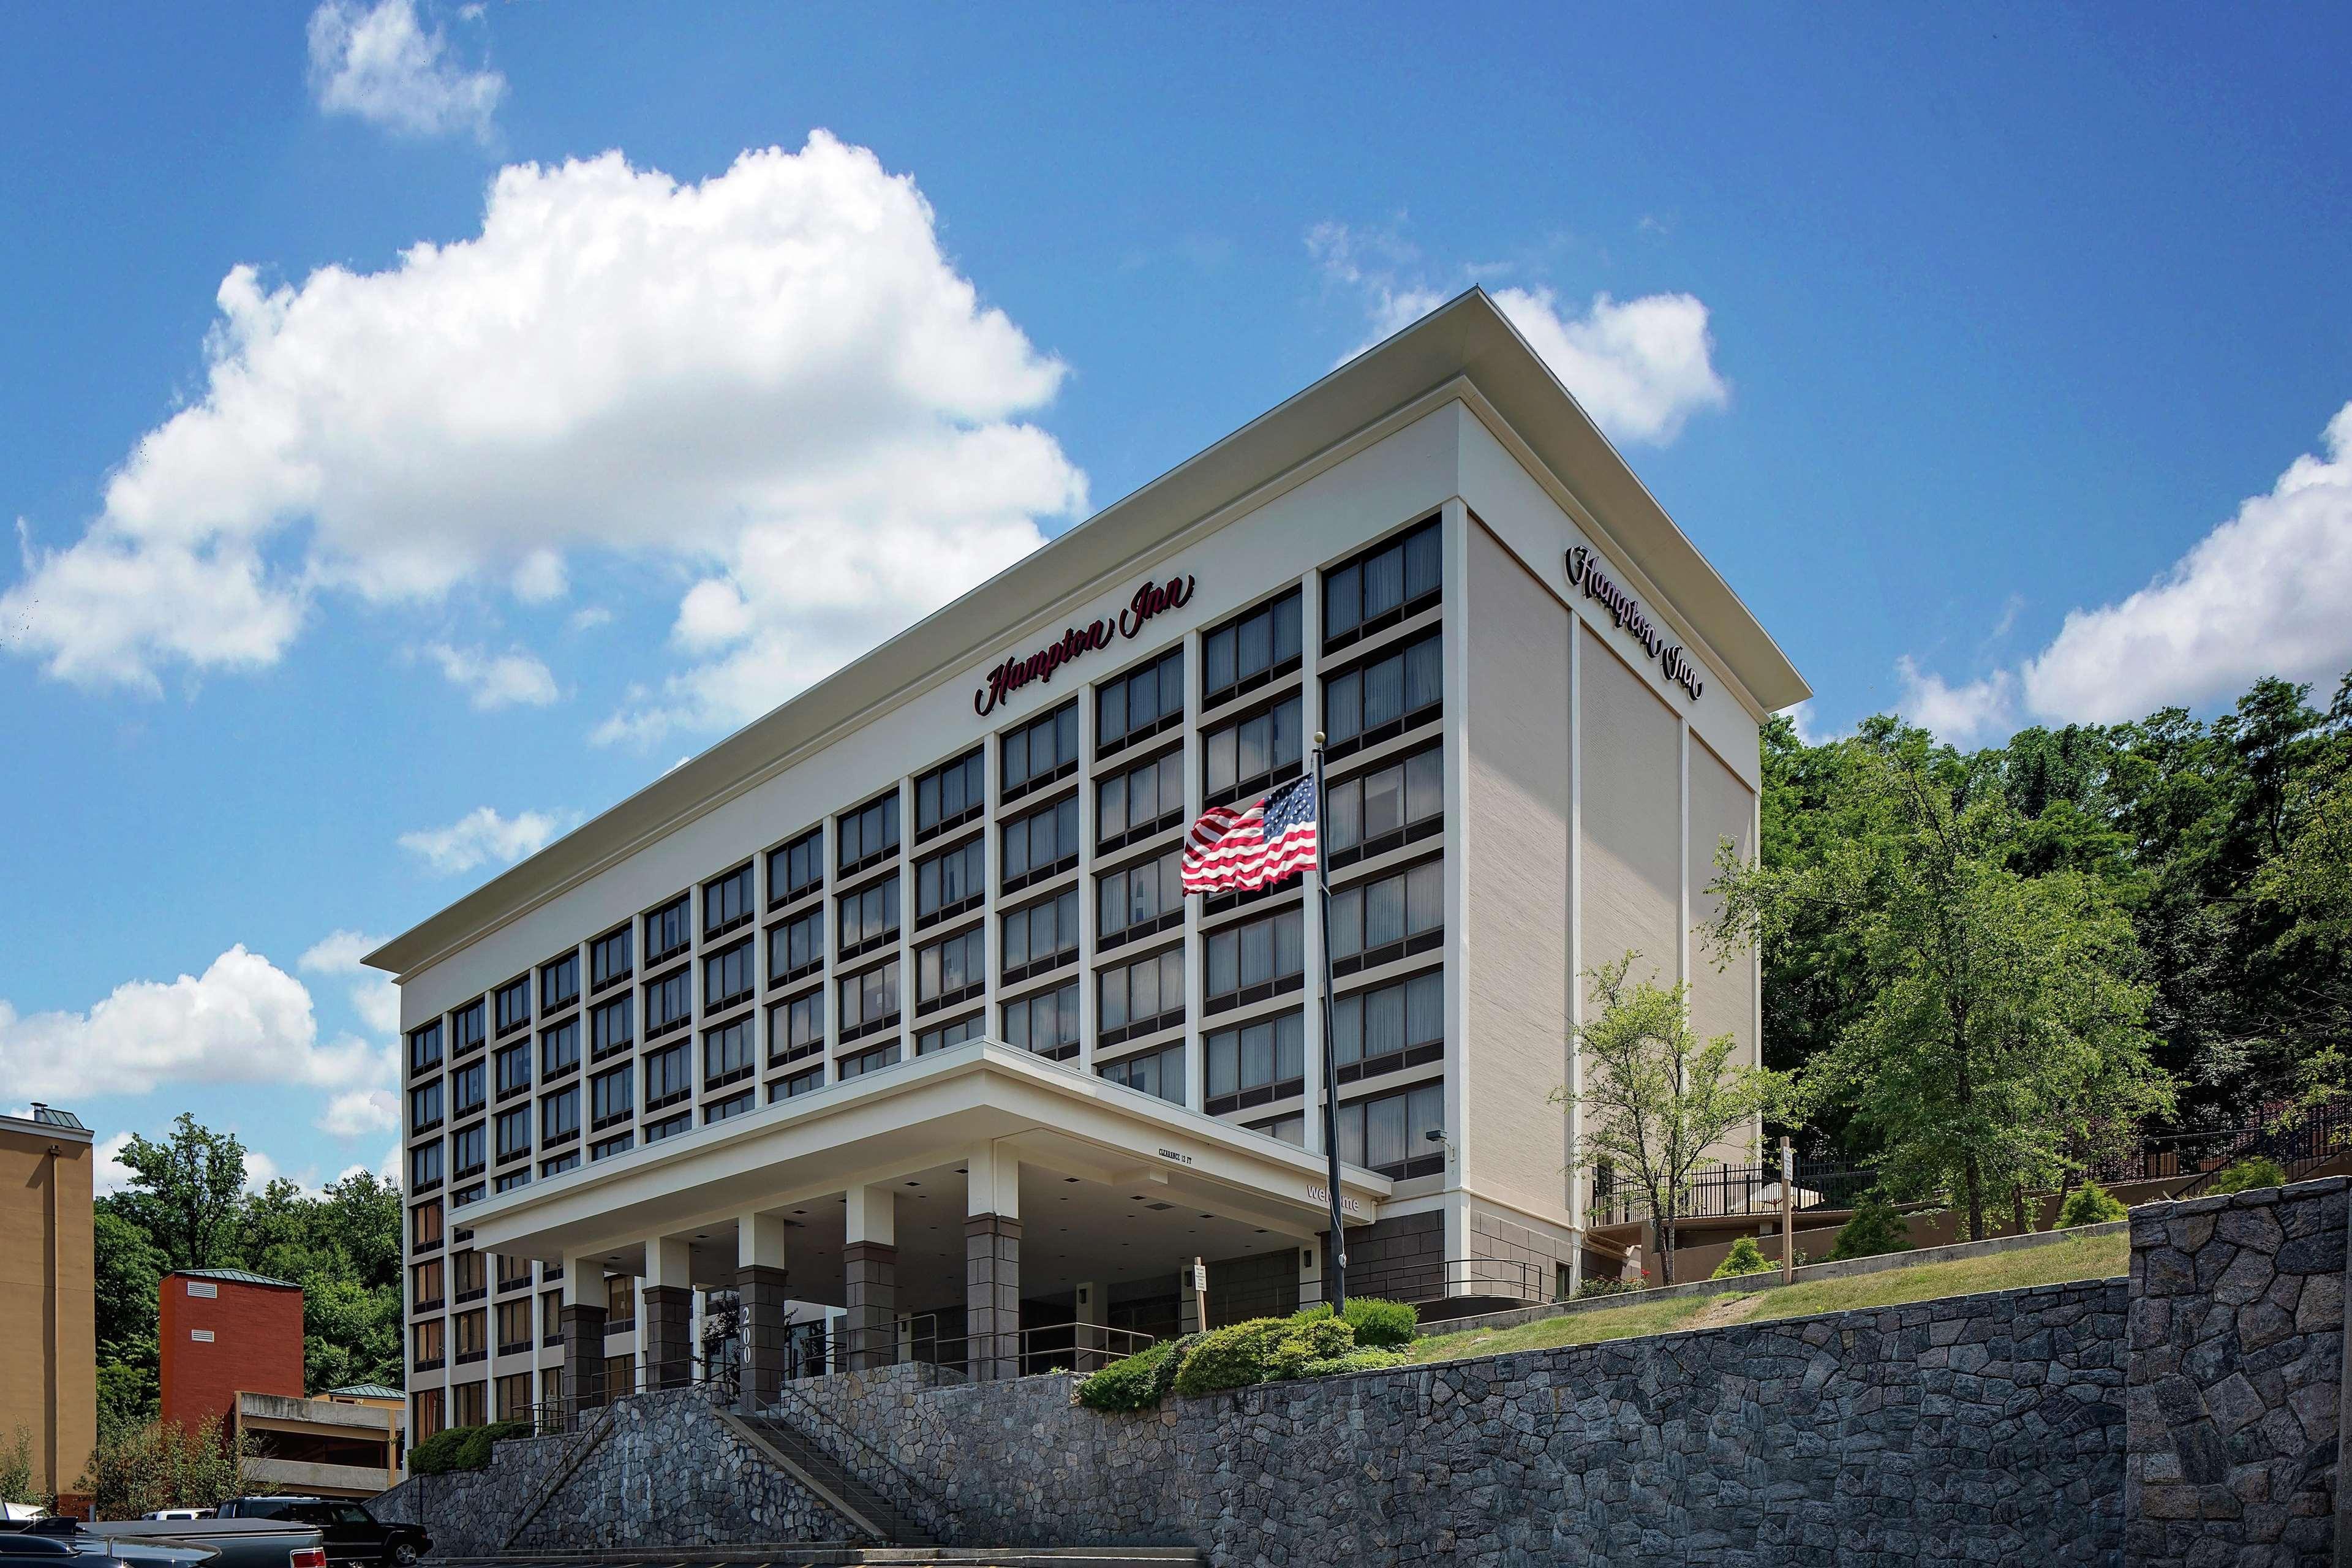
1336 1251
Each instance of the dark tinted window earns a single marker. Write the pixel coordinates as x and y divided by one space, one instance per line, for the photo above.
1383 584
726 902
954 792
798 867
1139 701
1250 645
1040 749
667 930
869 834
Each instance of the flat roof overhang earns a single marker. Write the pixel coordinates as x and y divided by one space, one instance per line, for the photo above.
936 1109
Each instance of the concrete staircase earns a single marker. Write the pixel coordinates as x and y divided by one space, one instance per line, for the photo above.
799 1456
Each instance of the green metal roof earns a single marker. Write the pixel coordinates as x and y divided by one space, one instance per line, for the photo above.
235 1276
367 1391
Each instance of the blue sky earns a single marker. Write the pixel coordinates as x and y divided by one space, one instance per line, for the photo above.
1996 358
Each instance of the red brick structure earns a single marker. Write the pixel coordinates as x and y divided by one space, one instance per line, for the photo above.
224 1332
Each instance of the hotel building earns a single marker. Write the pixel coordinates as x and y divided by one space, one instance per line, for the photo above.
882 1026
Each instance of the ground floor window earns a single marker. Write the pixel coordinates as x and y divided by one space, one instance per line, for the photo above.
1391 1132
514 1397
469 1404
425 1416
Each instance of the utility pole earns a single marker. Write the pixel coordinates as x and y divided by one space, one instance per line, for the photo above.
1787 1212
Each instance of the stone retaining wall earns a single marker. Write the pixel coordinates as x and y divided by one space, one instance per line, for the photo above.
1979 1429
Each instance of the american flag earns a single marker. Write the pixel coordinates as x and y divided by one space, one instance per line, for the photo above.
1253 846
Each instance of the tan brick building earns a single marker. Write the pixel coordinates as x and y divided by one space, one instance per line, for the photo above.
49 1327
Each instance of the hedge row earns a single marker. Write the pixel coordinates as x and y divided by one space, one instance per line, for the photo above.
462 1447
1311 1343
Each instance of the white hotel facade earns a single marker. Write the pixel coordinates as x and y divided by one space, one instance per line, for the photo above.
882 1024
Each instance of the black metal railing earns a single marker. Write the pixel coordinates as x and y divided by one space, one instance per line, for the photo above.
1422 1281
2297 1139
923 1340
1721 1191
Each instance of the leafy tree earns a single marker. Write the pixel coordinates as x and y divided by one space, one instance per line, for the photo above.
1997 1026
1658 1099
135 1469
16 1469
187 1193
1876 1228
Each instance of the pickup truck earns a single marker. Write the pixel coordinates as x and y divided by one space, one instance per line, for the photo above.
161 1543
352 1534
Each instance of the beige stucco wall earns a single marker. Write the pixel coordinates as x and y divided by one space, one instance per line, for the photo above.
1723 999
1632 844
48 1349
1515 839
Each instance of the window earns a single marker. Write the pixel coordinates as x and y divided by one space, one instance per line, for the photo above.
424 1106
514 1134
945 1035
799 1083
1146 799
559 1049
1384 696
1382 586
508 1180
1388 1026
609 959
951 795
1046 1023
467 1403
1140 899
472 1332
864 1062
559 983
796 1027
1255 959
425 1226
514 1005
551 1317
728 901
513 1399
797 947
1250 650
1038 753
469 1028
425 1166
558 1117
1290 1129
470 1275
467 1151
1390 1132
1139 703
1386 808
430 1344
1255 1063
670 1126
605 1148
950 881
469 1087
514 1334
426 1419
869 1001
461 1197
955 968
668 1076
730 1052
513 1064
609 1097
727 978
1389 917
611 1027
733 1105
425 1291
1138 996
669 1001
1159 1072
1244 756
567 1160
869 917
668 934
797 868
869 834
425 1048
513 1273
1041 844
1039 936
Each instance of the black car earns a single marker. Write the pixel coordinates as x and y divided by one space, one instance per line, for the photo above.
63 1543
353 1533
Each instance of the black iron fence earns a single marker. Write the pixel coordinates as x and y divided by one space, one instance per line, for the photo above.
2297 1138
1721 1191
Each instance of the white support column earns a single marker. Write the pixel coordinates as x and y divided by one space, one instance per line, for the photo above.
1310 723
1577 1184
872 1214
992 1181
1086 927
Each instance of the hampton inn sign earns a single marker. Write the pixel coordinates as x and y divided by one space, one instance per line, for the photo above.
1626 611
1016 673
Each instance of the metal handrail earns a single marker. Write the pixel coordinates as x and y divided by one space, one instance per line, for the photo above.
1072 1347
1720 1191
1419 1279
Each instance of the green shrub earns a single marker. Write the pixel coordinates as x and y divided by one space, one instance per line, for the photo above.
1745 1257
1605 1287
2088 1204
1876 1228
1384 1324
1138 1382
2258 1172
1260 1351
1366 1360
462 1447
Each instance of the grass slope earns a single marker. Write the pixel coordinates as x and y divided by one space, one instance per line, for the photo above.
2088 1257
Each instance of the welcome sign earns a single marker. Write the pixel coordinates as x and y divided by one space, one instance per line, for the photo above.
1624 610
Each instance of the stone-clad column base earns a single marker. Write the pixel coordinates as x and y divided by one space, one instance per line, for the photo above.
669 1336
991 1251
761 1292
870 1293
583 1356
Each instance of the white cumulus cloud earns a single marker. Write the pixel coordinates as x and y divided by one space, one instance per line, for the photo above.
381 64
108 1175
360 1111
496 680
2268 592
773 382
1640 367
244 1020
375 998
482 835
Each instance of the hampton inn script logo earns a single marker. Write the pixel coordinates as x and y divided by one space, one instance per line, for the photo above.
1584 573
1017 672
